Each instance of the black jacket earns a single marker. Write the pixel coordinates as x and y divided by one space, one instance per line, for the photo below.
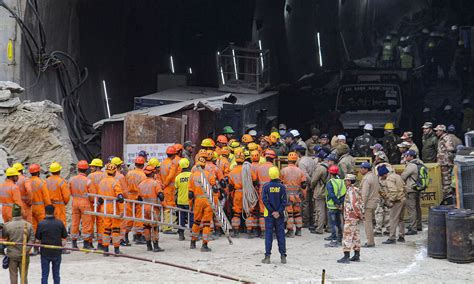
51 232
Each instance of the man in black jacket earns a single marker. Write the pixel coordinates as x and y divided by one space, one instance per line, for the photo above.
50 232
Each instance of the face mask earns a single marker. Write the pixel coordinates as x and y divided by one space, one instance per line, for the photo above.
282 132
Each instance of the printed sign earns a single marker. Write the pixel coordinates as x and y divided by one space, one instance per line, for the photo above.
154 151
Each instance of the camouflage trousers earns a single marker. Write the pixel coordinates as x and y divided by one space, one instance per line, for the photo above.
381 217
351 236
446 179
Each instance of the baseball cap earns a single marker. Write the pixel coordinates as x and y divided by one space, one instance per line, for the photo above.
382 170
427 125
189 143
295 132
410 153
406 135
341 137
377 147
324 135
288 134
440 127
404 144
366 165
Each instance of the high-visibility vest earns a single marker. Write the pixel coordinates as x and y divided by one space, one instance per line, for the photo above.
339 190
387 53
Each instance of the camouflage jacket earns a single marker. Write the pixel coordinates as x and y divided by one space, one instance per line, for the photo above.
445 155
353 204
361 145
390 143
346 165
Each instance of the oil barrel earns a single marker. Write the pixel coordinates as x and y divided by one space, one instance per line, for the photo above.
437 231
460 230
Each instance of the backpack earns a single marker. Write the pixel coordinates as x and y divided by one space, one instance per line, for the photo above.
423 179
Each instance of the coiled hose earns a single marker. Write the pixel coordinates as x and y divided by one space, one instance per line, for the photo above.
250 196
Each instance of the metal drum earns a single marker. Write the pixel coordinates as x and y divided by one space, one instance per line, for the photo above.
437 231
460 230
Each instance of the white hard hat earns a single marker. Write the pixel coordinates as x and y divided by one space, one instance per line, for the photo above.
341 137
465 101
454 27
369 127
361 123
426 109
253 132
295 132
448 107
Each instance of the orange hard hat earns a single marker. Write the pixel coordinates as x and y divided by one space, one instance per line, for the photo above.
34 168
222 139
171 150
83 165
292 157
333 170
225 150
255 156
149 169
270 154
178 147
140 160
246 138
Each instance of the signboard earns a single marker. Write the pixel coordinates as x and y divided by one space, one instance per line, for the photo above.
154 151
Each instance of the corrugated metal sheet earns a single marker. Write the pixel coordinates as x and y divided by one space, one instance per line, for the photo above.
112 139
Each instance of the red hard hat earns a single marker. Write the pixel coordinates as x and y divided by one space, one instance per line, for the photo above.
140 160
270 154
34 168
83 165
178 147
171 150
333 170
222 139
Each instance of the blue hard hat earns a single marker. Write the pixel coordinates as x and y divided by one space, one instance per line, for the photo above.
366 165
382 170
317 148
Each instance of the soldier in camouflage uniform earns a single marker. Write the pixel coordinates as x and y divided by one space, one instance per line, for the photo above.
430 144
353 215
361 145
408 137
445 158
346 161
390 142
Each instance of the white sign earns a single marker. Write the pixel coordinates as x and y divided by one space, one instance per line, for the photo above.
154 151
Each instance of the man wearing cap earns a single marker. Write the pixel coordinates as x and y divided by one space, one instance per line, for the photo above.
318 183
452 133
312 141
389 142
408 137
335 193
324 142
282 129
403 147
376 148
298 139
370 195
445 158
361 145
410 177
188 152
346 161
290 142
430 143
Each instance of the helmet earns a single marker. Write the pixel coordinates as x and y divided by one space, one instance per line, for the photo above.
228 130
252 146
225 150
333 170
369 127
149 169
273 139
154 162
139 160
247 154
274 173
171 150
34 168
208 142
18 166
270 154
96 163
246 138
276 135
82 165
116 161
255 156
55 167
292 157
178 147
222 139
184 163
240 157
200 160
143 153
111 168
389 126
234 145
11 172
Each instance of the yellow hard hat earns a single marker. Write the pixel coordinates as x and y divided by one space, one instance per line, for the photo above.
274 173
252 146
18 166
184 163
276 135
116 161
208 142
97 163
234 145
389 126
11 172
55 167
154 162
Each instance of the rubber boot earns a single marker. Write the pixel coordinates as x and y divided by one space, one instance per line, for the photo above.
290 234
91 243
283 259
266 260
148 246
117 250
205 248
356 256
298 232
74 244
192 245
156 247
345 259
181 236
105 249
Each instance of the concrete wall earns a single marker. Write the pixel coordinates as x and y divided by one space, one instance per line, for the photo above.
9 30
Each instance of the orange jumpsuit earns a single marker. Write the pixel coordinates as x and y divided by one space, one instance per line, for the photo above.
148 190
169 169
123 183
109 186
292 177
202 208
217 173
133 178
224 165
235 179
263 178
59 194
95 178
39 199
25 192
80 187
9 195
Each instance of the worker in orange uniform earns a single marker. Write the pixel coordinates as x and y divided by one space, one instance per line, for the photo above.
221 143
202 206
263 177
110 187
9 194
80 187
252 220
179 150
208 144
120 177
59 192
155 163
223 162
134 178
25 192
169 170
295 181
96 177
149 190
246 139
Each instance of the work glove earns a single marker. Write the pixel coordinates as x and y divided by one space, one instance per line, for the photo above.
120 198
215 189
223 183
161 196
100 200
140 198
190 195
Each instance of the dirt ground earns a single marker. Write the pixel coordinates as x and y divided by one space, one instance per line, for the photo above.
307 257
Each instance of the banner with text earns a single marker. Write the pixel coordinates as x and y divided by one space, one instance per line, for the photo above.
154 150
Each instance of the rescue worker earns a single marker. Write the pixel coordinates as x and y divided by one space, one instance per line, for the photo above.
25 192
236 191
395 198
96 177
59 192
274 199
169 170
353 215
133 178
290 143
263 177
40 196
228 132
120 177
181 183
312 141
294 180
80 188
202 206
346 161
307 165
445 158
298 140
9 194
318 183
110 187
370 188
390 141
408 137
149 190
221 142
430 144
387 54
361 145
413 205
335 192
275 144
188 152
452 133
246 139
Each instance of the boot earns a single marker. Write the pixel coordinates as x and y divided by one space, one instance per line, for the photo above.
117 250
86 245
283 259
105 249
156 247
266 260
290 234
345 259
411 232
389 242
134 238
250 234
235 233
356 256
148 246
298 232
91 243
181 236
140 240
401 239
74 244
193 244
127 241
333 244
34 252
205 248
330 238
100 246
